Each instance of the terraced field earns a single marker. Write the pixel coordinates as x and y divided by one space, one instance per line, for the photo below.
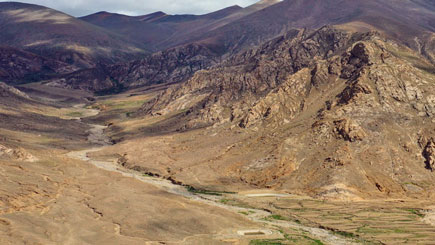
383 222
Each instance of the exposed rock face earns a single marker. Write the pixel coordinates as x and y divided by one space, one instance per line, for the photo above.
340 111
9 91
264 73
16 154
170 66
348 130
429 154
20 66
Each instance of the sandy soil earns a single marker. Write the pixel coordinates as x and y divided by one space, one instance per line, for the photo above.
60 200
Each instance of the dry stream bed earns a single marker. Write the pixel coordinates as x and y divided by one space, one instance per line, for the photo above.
268 228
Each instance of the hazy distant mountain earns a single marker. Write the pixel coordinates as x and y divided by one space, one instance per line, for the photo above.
155 28
162 31
55 35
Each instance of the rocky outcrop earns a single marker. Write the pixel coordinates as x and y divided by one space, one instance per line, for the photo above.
17 154
17 66
9 91
348 130
170 66
429 154
266 72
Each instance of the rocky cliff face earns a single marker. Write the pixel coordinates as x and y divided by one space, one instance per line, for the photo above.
20 66
345 114
170 66
247 77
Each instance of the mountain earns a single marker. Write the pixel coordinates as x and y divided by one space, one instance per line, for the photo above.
329 113
234 29
169 66
195 33
58 36
155 28
162 31
411 22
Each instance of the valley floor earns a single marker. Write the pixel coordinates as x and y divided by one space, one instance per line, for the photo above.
81 190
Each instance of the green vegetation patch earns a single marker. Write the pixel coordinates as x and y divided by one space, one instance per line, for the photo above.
267 242
277 217
368 230
345 234
224 201
280 217
75 114
297 239
317 242
236 203
207 192
416 212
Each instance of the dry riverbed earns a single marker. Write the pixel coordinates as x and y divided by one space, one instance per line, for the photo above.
267 228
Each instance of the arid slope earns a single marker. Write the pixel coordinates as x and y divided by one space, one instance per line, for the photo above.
327 113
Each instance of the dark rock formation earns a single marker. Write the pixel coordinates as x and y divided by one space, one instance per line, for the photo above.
170 66
17 66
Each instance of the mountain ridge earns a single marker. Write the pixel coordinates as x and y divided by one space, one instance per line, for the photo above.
51 33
